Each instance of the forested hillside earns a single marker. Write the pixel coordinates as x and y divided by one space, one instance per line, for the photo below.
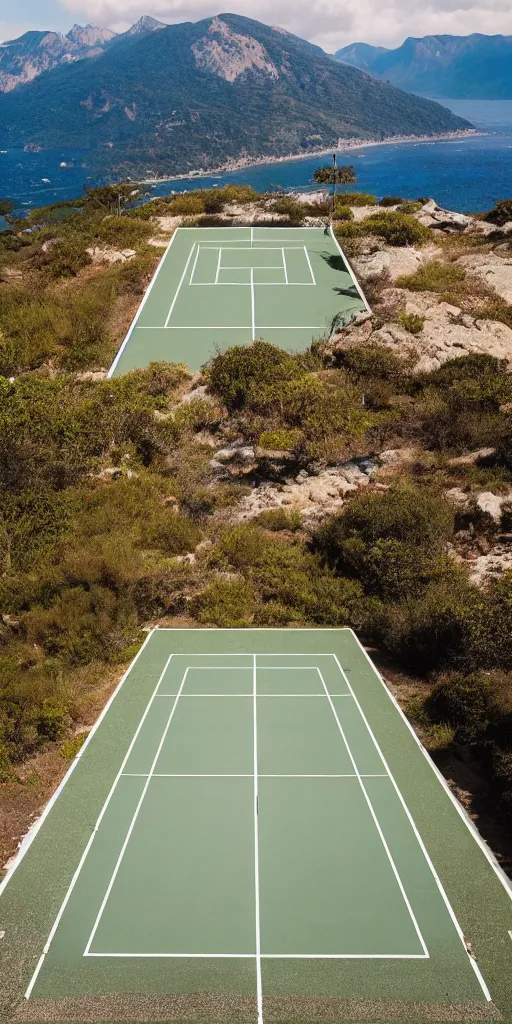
194 96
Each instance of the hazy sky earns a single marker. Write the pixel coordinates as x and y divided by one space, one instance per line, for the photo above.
330 23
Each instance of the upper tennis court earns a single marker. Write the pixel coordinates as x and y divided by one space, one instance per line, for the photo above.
253 833
218 287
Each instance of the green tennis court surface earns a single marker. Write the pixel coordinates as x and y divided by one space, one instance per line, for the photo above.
217 287
252 833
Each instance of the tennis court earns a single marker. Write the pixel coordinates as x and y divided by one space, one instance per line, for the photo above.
253 833
218 287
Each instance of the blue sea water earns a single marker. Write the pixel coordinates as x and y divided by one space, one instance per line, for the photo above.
465 175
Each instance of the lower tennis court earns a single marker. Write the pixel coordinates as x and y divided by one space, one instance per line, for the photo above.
252 833
218 287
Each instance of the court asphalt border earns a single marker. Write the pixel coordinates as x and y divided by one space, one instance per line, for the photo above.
227 228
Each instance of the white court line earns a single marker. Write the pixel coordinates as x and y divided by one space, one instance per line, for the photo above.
313 278
374 816
350 270
243 327
98 822
266 956
253 311
141 307
214 775
257 284
252 236
185 696
218 266
134 819
177 292
259 985
423 848
191 278
239 248
285 267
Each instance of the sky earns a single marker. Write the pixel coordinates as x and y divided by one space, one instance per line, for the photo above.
329 23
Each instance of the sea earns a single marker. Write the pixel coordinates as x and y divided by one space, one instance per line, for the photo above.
466 175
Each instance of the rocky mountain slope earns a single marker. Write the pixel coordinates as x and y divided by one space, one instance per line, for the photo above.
196 95
457 67
23 59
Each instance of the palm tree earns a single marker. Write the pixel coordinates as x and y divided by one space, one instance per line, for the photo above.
328 175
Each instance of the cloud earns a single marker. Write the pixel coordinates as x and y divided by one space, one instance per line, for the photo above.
330 23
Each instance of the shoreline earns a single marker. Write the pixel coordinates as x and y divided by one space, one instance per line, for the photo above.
343 145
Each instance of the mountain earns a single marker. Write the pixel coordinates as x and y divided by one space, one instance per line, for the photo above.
23 59
360 55
143 26
90 36
194 96
456 67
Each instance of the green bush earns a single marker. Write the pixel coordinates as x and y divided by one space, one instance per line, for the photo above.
228 604
70 748
409 206
344 213
433 277
389 541
124 232
187 204
354 199
390 201
412 322
279 519
397 228
434 631
501 213
466 703
289 207
236 376
280 439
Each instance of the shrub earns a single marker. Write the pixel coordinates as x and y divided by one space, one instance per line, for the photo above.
236 376
228 604
289 206
354 199
501 213
433 277
397 228
409 206
281 439
390 201
350 229
435 630
344 213
125 232
466 703
70 748
412 322
187 204
279 519
388 541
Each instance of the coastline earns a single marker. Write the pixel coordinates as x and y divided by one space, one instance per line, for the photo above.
343 146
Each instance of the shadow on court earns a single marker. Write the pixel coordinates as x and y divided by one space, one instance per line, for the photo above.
334 261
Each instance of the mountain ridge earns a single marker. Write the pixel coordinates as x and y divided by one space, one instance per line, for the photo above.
197 95
477 66
24 59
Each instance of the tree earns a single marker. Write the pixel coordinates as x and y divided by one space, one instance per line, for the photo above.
6 207
328 175
115 198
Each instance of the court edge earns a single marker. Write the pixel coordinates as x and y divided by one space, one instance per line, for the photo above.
160 265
